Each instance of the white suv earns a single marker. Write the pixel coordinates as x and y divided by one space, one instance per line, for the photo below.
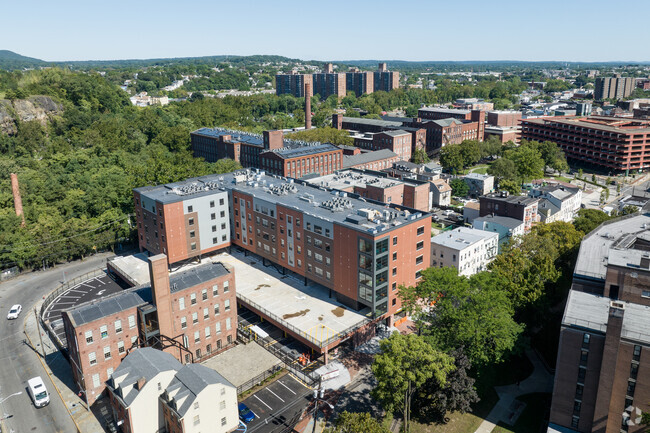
14 312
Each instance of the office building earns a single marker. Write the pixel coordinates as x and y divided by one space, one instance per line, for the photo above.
359 249
616 87
378 186
151 392
190 314
504 118
359 82
466 249
512 206
601 383
292 84
610 143
369 126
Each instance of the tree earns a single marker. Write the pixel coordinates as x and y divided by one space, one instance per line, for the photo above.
528 161
420 156
589 219
552 155
457 395
470 151
503 168
510 185
459 188
453 311
354 422
325 134
406 363
451 158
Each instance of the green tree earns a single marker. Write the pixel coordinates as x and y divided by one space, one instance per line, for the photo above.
511 186
325 134
420 156
451 158
528 161
405 364
459 188
352 422
470 151
589 219
503 168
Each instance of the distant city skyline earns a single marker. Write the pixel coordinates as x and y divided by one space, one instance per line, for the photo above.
577 31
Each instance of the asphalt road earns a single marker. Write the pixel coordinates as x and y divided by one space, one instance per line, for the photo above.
20 363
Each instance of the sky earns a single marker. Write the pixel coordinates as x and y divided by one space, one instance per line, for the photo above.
565 30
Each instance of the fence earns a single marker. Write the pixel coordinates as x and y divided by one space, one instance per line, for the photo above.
290 327
287 360
58 291
259 379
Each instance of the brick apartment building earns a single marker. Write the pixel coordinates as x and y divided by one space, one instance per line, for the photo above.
399 141
190 314
512 206
359 82
243 147
319 159
359 249
615 87
609 143
379 186
601 380
293 84
329 83
385 80
438 113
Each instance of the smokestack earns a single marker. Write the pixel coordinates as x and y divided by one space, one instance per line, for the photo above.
307 106
18 202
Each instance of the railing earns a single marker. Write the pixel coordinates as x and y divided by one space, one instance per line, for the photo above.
302 334
288 361
58 291
259 379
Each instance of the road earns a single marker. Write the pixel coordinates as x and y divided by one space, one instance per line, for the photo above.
19 362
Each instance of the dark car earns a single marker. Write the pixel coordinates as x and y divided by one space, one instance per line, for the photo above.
245 414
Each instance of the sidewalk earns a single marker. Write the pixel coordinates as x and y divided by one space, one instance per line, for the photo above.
507 409
58 369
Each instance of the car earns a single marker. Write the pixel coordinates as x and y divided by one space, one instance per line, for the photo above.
448 212
14 312
435 217
245 414
38 391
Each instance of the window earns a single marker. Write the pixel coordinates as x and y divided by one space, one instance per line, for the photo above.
216 309
109 372
181 303
92 358
95 380
215 290
195 318
183 322
212 203
576 407
394 271
120 347
420 230
196 405
118 326
190 209
228 324
382 246
217 329
204 294
582 372
107 352
190 221
89 337
222 404
206 314
207 332
631 386
634 370
196 420
585 340
636 355
215 240
419 245
645 293
214 229
193 246
394 287
197 336
223 391
584 354
395 240
579 389
213 216
220 202
192 234
418 274
103 331
193 298
394 256
134 339
574 421
419 260
223 421
222 214
226 285
365 246
226 305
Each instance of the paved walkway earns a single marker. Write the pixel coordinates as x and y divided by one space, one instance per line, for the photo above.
58 368
507 409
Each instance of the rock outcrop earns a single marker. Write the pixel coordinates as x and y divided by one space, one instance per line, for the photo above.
38 108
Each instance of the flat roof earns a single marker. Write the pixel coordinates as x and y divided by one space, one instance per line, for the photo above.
367 157
619 125
445 110
588 311
194 276
237 136
515 199
479 176
508 222
106 306
373 122
462 237
295 152
286 299
348 178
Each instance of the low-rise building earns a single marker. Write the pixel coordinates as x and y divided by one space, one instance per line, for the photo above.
399 141
375 160
441 192
479 184
504 226
514 206
504 118
504 134
471 211
557 203
466 249
315 159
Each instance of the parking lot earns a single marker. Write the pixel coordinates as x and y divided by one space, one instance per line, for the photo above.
277 405
90 290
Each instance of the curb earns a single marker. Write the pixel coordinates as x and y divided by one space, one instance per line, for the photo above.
47 370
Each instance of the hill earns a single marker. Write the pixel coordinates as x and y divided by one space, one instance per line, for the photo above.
10 60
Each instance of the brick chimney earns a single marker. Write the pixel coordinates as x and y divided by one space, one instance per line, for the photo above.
161 293
141 382
18 202
273 139
479 116
308 105
337 121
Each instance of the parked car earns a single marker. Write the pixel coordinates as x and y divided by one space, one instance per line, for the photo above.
38 392
14 312
245 414
435 218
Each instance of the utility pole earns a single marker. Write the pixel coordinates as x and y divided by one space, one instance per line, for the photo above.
40 337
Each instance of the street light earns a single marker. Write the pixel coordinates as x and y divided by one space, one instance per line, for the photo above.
318 397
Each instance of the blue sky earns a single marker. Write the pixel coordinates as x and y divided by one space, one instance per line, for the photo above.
572 30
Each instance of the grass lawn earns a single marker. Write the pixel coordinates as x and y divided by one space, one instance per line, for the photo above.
480 169
532 418
517 368
563 179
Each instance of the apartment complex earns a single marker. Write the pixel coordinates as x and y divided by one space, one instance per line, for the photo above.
151 392
466 249
557 202
359 249
601 383
190 314
399 141
293 84
359 82
375 126
378 186
385 80
610 143
327 84
450 126
512 206
615 87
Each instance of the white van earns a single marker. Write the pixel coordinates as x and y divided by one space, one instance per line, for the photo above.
38 391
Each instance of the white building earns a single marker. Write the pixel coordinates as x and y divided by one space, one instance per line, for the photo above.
441 192
557 202
505 227
468 250
479 184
